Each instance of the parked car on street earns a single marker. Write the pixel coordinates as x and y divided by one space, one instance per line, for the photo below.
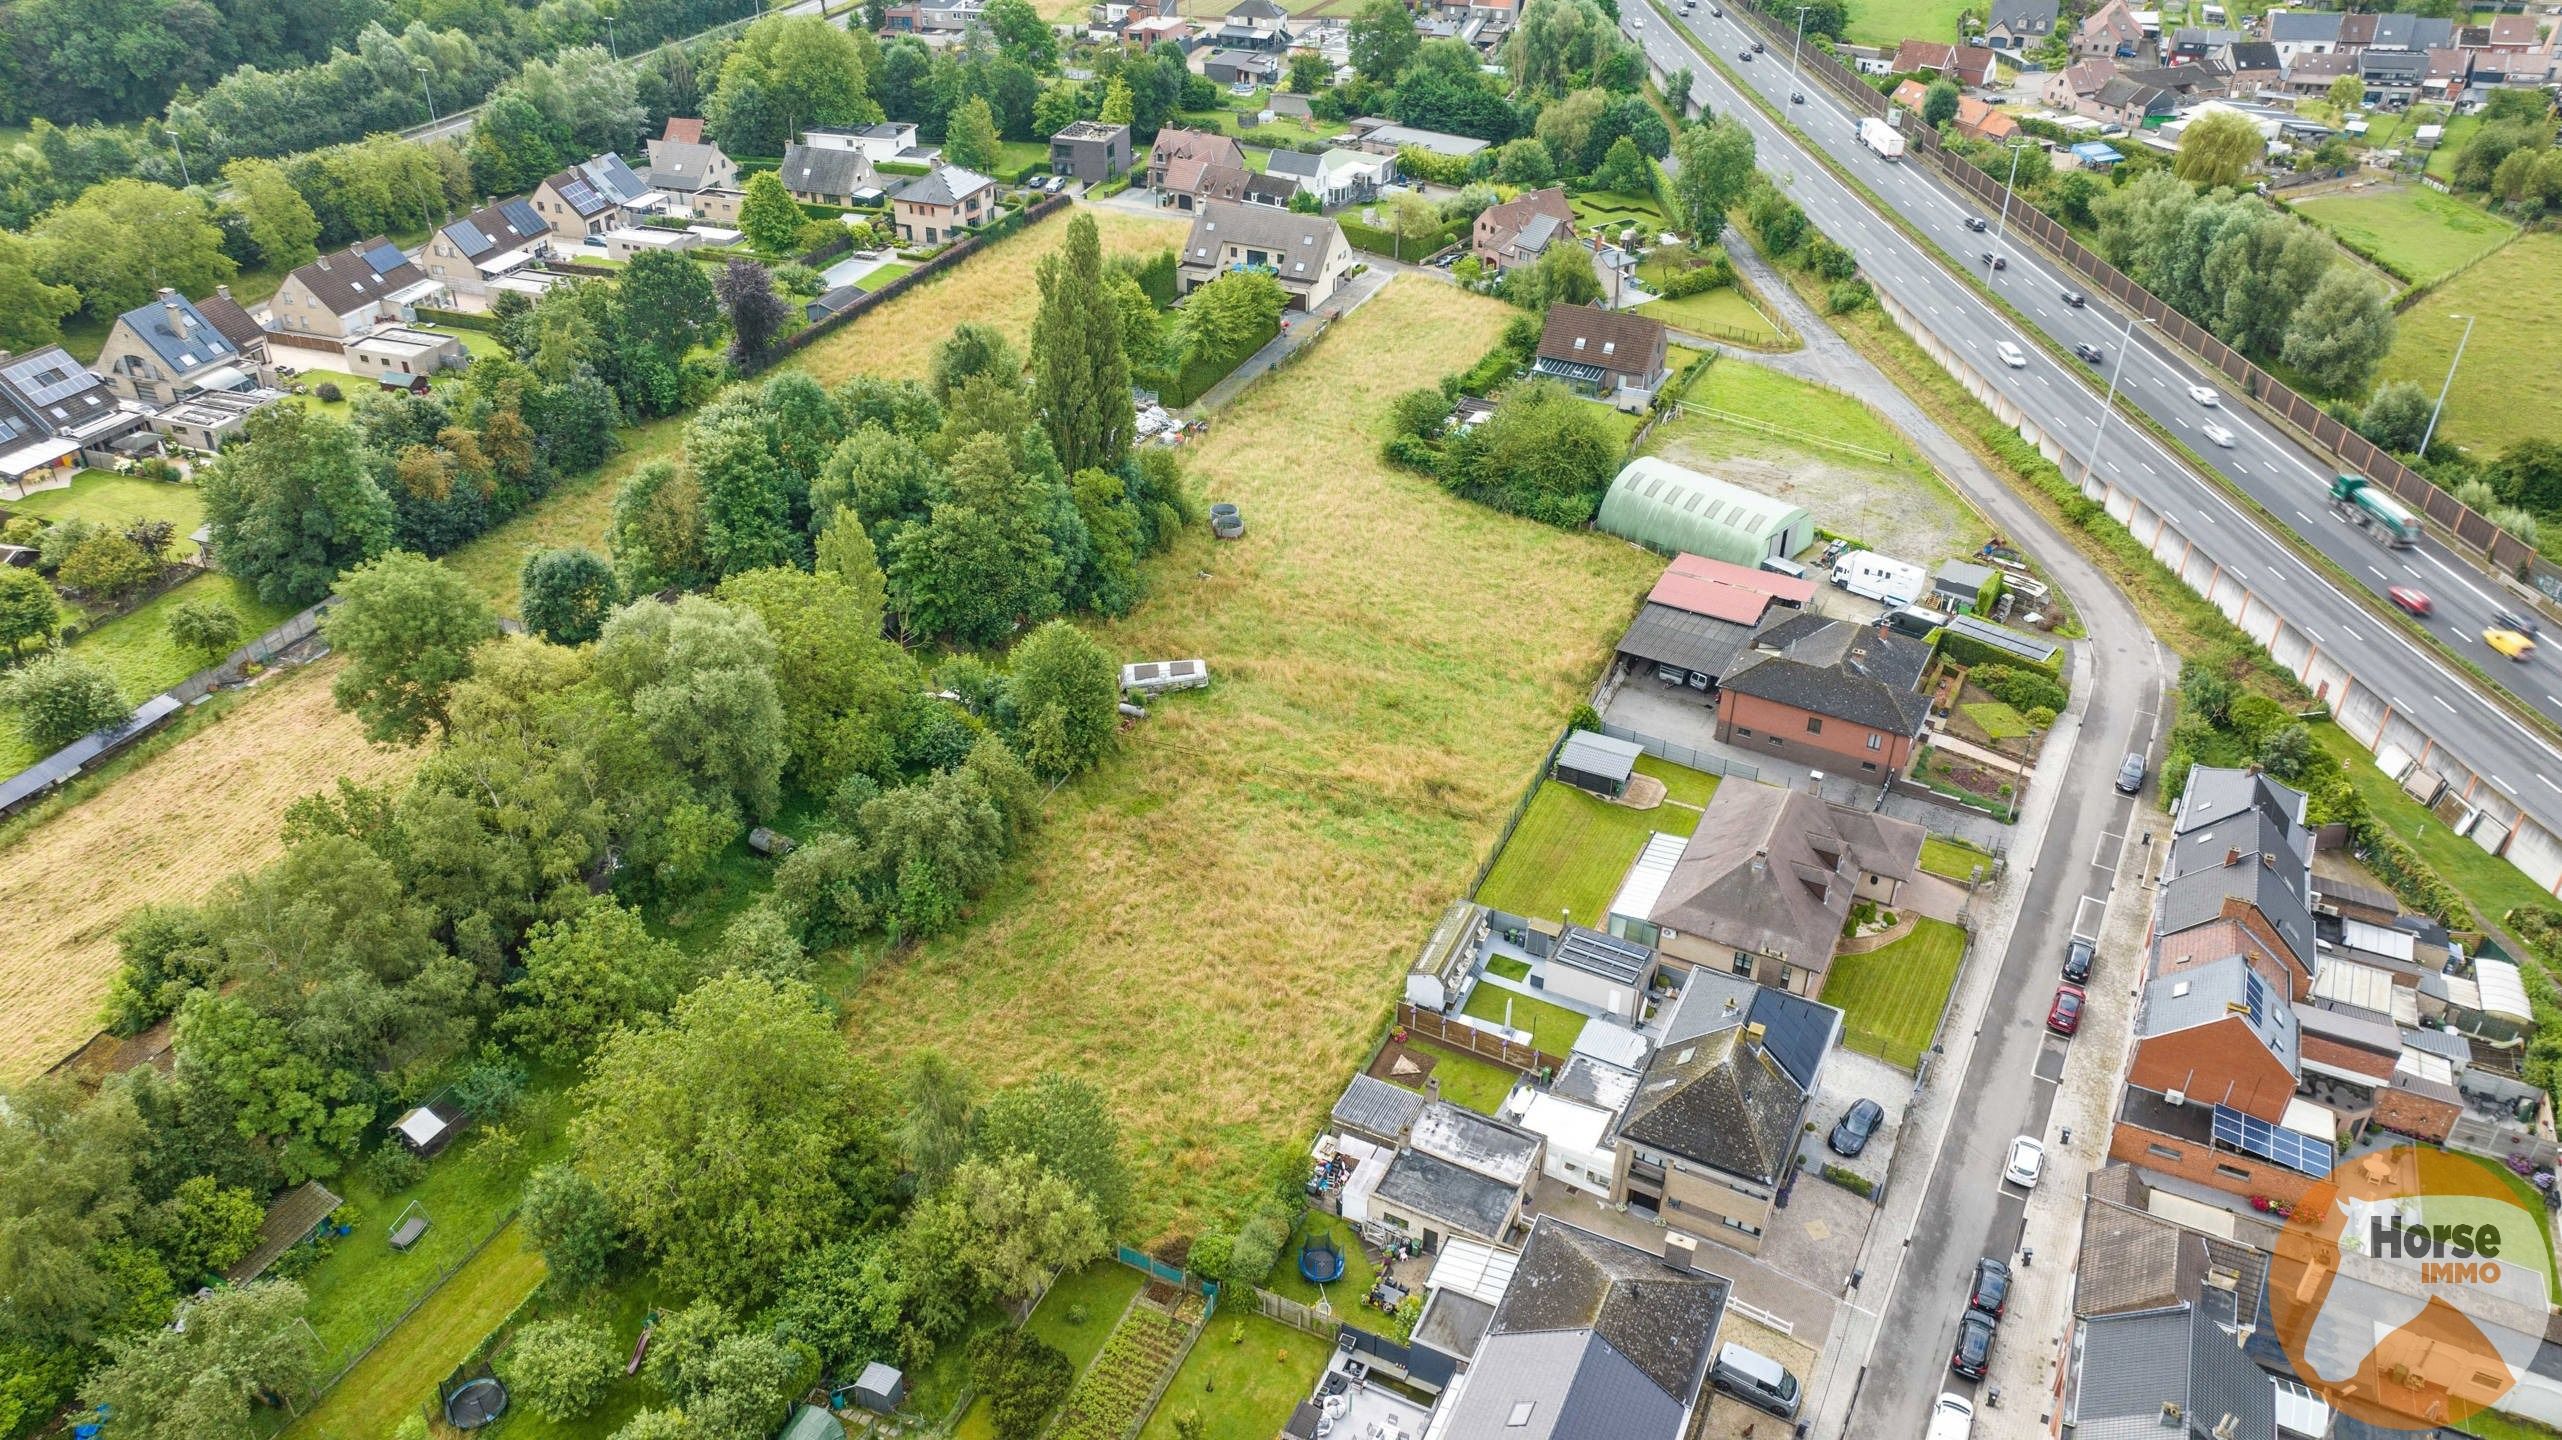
1856 1127
2027 1160
1974 1352
1990 1292
2064 1016
2130 775
2077 959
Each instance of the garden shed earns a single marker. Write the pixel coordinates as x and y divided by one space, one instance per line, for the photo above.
1672 509
291 1217
1597 763
880 1388
1961 586
2035 649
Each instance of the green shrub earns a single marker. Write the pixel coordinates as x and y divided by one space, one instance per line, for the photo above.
2022 690
1851 1180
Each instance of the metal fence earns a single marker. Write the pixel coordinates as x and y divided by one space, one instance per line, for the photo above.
2469 526
262 651
1688 756
1764 427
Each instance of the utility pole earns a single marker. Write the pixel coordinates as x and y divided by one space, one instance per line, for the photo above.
183 177
2002 236
2108 406
1796 55
424 70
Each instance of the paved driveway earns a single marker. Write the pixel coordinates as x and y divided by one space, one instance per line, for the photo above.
1849 1077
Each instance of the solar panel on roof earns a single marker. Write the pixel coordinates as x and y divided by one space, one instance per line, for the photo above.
581 196
469 235
385 256
2297 1151
520 216
44 379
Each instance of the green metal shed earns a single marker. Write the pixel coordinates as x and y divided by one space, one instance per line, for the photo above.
1666 507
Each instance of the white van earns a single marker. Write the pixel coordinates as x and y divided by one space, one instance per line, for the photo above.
1951 1419
1879 577
1756 1379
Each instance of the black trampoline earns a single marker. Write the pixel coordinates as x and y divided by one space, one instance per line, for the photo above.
1320 1259
475 1403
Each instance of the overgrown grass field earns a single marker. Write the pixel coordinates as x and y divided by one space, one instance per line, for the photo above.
2510 388
2416 229
1209 925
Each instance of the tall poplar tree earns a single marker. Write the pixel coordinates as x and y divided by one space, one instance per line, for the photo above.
1080 376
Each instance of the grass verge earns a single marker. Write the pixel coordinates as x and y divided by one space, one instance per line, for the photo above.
1953 859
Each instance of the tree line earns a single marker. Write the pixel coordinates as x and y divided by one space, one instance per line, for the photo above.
492 919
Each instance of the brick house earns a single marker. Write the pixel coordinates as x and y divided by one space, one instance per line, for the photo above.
1829 694
1763 886
1601 352
826 174
682 162
1306 253
1177 158
1969 65
940 206
1710 1132
1519 230
490 242
592 197
168 347
2110 32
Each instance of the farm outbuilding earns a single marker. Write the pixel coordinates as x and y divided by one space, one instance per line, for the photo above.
1666 507
1965 587
1597 763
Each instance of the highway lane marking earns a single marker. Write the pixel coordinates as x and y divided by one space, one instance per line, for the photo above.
2548 784
2378 574
2300 515
2356 638
2441 702
2317 639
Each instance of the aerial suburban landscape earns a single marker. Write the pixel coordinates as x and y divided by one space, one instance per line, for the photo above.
1280 719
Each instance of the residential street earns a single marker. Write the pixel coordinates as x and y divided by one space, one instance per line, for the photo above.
1945 1206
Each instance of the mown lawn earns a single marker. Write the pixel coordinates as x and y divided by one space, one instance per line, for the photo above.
1570 852
1479 1085
1344 1294
2417 230
116 500
1615 210
1682 785
1891 22
1954 859
1891 997
1713 313
395 1380
1243 1378
1552 1028
2510 388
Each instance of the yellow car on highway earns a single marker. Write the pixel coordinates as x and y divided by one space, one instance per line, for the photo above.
2508 642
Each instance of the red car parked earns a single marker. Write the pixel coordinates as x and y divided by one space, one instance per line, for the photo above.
2065 1015
2414 601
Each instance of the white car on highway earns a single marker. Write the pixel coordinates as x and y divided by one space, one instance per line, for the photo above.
2203 394
2027 1161
2220 436
2011 355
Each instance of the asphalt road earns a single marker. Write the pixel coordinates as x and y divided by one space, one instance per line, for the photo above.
2265 464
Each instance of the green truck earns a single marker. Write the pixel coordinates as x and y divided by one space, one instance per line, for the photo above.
2361 502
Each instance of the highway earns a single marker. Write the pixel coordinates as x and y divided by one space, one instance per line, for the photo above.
2291 483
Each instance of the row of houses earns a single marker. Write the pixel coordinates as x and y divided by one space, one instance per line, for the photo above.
2284 1015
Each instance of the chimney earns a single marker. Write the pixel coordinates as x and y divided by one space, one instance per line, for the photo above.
1760 861
2225 1427
2233 856
223 290
2267 861
1753 1034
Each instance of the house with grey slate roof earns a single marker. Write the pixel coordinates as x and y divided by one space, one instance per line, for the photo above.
1709 1134
2017 25
594 196
1459 1174
825 174
682 162
942 205
1831 694
1306 253
2178 1373
1763 886
1594 1340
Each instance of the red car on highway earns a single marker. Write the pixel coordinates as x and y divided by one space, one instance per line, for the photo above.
2414 601
2065 1015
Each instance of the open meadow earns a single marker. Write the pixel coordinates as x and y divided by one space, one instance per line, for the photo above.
1209 924
171 830
2417 230
2509 388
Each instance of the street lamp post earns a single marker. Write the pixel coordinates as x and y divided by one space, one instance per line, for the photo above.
190 183
2108 406
610 43
1796 54
424 70
2001 237
2440 407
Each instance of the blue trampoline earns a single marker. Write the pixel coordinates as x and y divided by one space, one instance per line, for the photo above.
1321 1259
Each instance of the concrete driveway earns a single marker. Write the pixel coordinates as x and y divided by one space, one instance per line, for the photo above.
1849 1077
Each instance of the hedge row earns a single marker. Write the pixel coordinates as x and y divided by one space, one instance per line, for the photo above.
485 323
1384 242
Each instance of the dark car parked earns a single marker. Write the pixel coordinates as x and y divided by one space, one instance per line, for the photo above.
1974 1352
2130 776
1991 1290
2077 960
1858 1125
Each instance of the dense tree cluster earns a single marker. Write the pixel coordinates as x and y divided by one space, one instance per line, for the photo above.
2511 159
2263 281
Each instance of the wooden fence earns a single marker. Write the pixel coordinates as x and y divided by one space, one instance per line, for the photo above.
1484 1044
2469 527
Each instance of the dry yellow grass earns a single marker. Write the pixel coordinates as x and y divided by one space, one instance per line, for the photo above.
169 831
1209 926
993 288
